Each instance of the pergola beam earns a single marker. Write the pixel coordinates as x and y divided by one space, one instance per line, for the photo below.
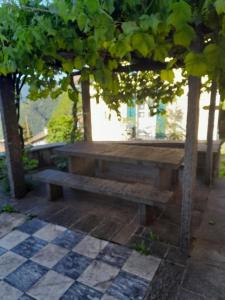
13 147
142 65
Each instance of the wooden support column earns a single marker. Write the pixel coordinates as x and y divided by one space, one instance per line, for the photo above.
190 160
11 135
86 100
211 119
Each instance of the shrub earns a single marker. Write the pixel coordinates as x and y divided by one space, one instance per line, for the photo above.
29 165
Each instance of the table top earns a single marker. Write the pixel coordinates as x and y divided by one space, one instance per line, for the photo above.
145 155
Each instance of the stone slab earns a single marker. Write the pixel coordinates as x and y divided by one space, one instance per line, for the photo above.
10 221
51 286
50 232
81 291
26 276
206 280
72 265
50 255
9 262
12 239
31 226
90 246
114 255
8 292
29 247
99 276
187 295
68 239
128 287
142 266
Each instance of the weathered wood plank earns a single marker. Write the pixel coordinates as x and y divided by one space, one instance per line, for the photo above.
190 162
142 213
209 152
134 192
138 155
82 166
86 102
54 192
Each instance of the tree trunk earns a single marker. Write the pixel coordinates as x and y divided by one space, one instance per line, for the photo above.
86 100
190 162
12 138
211 119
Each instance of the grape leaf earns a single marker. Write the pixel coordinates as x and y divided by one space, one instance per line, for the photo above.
195 64
167 75
220 6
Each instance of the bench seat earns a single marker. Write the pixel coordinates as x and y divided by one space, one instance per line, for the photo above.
142 194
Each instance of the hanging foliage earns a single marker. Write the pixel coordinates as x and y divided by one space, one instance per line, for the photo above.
47 41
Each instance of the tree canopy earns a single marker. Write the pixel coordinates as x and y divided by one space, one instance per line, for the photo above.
49 40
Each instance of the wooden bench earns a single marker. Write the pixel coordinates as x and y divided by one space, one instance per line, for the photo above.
143 194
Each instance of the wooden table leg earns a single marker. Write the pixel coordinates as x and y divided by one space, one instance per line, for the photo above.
82 166
54 192
142 211
165 179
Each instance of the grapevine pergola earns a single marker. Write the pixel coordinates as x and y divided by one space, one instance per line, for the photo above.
46 43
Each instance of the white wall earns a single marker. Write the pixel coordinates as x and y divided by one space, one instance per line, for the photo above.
112 129
104 127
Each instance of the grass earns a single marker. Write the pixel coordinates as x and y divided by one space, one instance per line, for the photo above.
8 209
152 236
143 247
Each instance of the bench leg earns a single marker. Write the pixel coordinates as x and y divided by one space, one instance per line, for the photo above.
142 211
54 192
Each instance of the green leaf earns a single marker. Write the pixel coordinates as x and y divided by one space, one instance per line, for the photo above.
184 36
129 27
78 63
92 5
149 22
108 6
82 21
67 66
120 48
196 64
220 6
181 14
143 42
112 64
167 75
211 52
161 52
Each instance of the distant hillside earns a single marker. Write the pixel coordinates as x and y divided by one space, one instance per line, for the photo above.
37 113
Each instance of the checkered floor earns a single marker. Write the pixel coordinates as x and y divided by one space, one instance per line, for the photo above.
42 261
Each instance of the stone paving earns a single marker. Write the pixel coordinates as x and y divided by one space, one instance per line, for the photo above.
43 261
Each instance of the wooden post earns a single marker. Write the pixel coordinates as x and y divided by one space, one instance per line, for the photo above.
190 160
12 139
86 100
211 119
221 122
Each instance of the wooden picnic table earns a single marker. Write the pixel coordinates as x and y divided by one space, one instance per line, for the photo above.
131 163
134 154
118 170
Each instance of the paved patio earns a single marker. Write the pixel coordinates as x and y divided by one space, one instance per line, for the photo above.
40 260
116 221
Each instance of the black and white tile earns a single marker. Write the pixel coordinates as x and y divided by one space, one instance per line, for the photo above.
43 261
